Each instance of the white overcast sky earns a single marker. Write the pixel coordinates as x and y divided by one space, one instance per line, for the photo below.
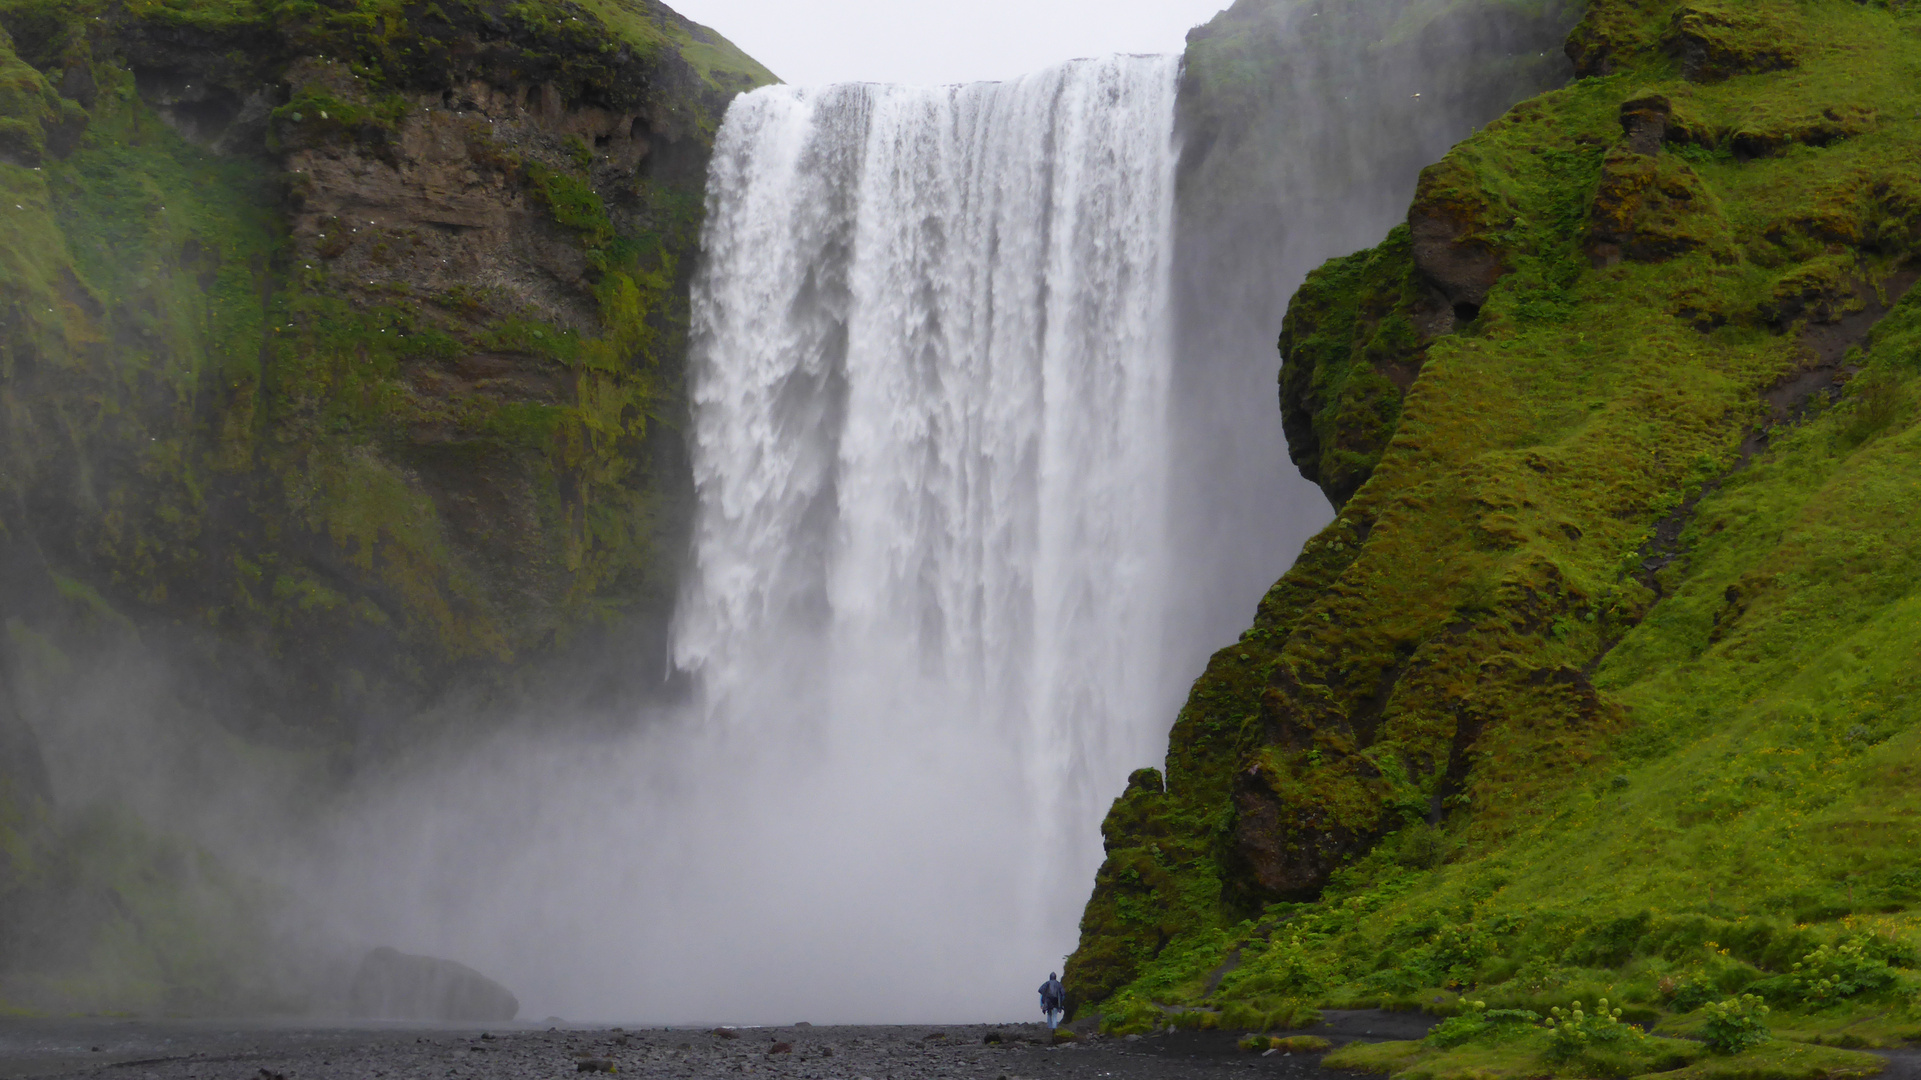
809 42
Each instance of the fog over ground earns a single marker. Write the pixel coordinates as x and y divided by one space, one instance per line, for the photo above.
816 42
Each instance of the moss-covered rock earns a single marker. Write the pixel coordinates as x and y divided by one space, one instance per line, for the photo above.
1352 343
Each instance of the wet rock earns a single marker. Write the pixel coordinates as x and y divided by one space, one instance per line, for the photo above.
1644 120
594 1065
392 985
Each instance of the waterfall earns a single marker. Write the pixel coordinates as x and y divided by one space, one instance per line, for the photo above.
965 530
930 378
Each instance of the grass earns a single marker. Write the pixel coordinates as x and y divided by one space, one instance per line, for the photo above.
1500 730
1527 1056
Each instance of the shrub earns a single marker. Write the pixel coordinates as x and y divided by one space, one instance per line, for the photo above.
1195 1020
1266 1014
1831 973
1574 1030
1693 995
1736 1024
1130 1015
1477 1021
1876 403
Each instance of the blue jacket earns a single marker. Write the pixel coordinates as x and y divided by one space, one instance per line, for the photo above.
1053 995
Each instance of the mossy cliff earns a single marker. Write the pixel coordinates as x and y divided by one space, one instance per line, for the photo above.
1602 683
341 349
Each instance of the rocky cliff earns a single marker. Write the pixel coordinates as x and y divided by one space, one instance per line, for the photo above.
341 349
1601 682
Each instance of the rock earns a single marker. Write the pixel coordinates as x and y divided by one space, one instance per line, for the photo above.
1712 42
1651 209
1457 229
726 1033
1644 120
594 1065
392 985
780 1048
77 83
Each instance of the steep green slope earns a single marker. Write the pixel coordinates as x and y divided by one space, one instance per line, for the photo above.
341 350
1603 681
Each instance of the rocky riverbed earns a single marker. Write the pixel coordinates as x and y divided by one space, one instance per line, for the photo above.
197 1050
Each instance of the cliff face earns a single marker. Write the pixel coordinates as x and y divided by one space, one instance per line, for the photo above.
341 349
342 338
1305 127
1619 593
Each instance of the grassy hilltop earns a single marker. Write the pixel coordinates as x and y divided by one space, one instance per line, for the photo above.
1604 681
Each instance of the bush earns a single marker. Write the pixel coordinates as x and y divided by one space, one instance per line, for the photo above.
1477 1021
1831 973
1574 1030
1692 996
1195 1020
1266 1014
1875 404
1129 1015
1736 1024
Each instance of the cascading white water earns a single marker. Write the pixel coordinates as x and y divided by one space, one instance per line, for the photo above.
930 380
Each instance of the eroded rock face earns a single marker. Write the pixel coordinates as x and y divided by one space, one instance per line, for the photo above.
1713 42
1651 209
392 985
1453 246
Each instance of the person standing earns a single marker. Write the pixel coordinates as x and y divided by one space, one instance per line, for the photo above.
1053 999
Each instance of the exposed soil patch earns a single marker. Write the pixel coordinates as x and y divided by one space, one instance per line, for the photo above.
1825 371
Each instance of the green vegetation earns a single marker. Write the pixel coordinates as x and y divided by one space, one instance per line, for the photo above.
255 430
1602 684
168 337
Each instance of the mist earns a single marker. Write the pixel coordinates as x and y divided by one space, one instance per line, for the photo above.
988 460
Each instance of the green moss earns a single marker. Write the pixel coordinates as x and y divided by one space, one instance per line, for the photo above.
1347 349
718 61
1587 692
269 460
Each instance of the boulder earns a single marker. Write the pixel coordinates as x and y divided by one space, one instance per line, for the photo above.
391 985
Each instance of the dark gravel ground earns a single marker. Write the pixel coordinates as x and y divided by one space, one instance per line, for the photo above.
203 1050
